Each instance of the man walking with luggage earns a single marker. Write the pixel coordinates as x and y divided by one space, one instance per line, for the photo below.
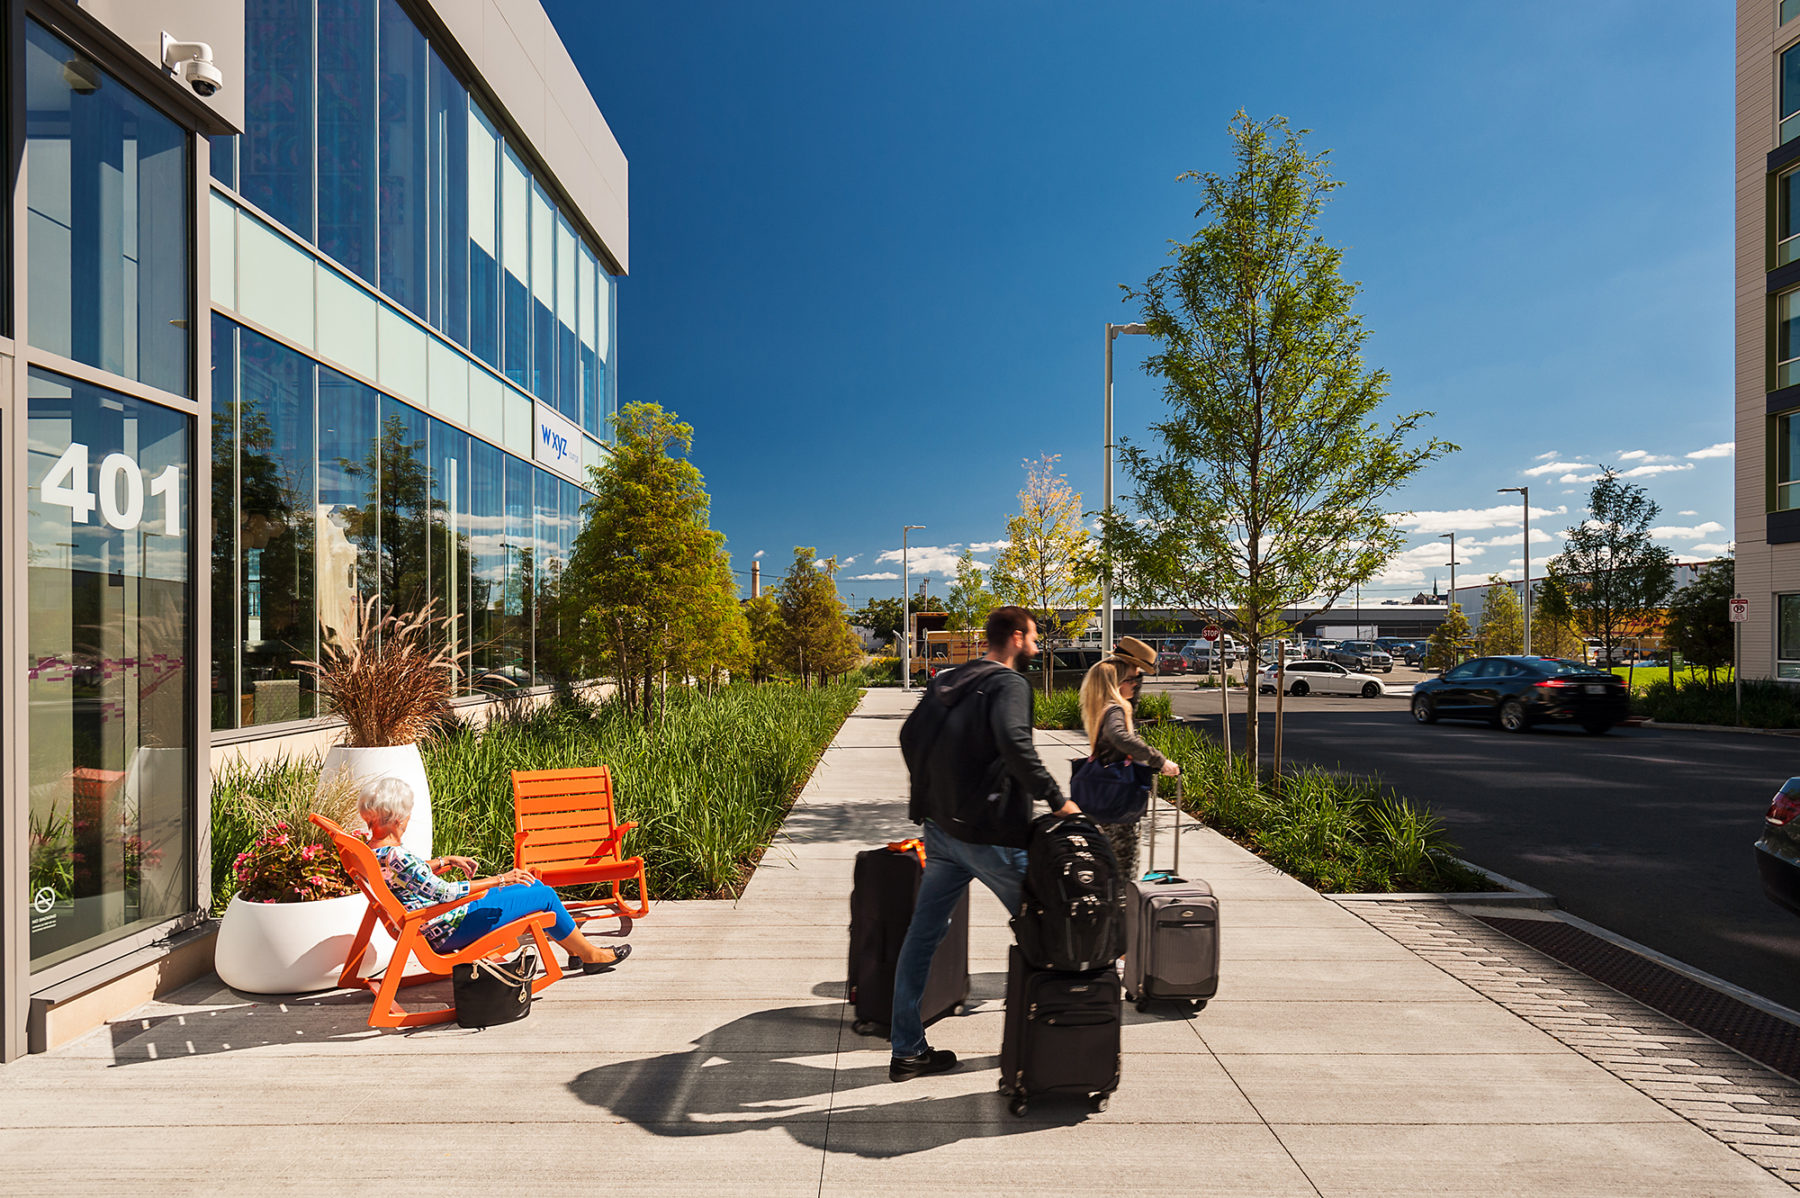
975 779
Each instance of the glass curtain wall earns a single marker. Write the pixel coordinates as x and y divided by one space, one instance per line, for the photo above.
328 493
361 140
108 199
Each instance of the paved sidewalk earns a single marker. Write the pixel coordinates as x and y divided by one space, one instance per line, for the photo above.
720 1060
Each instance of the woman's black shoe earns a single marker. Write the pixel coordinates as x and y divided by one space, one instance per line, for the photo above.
620 952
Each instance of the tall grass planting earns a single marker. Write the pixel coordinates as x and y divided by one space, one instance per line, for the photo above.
1062 709
708 784
1339 835
1691 701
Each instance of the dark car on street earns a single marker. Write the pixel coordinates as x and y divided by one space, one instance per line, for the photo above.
1517 692
1778 852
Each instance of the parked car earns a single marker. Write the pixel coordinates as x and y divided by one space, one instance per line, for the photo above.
1517 692
1266 654
1414 653
1315 648
1325 677
1778 852
1070 667
1391 645
1170 661
1361 655
1203 656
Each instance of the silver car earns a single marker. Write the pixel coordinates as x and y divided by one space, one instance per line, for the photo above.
1362 655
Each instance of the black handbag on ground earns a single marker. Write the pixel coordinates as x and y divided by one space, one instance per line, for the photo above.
490 992
1111 794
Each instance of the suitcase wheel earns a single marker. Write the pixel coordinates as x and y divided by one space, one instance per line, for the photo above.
1018 1106
961 1008
1100 1102
1143 1004
865 1027
1199 1004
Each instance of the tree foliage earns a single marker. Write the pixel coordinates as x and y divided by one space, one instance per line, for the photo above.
1700 619
1448 641
646 584
969 600
1611 578
766 632
816 641
1502 619
1050 567
1266 481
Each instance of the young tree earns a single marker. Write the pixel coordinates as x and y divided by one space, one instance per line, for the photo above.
882 616
1610 576
1445 646
644 575
1700 620
767 635
1552 633
817 641
1502 619
969 601
1266 485
1049 567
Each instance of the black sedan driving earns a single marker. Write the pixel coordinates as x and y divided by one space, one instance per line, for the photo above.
1517 692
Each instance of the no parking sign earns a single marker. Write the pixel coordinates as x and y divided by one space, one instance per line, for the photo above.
1740 610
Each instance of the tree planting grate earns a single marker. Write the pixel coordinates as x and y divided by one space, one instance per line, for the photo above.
1757 1034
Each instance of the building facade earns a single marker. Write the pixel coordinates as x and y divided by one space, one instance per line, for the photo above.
341 330
1768 335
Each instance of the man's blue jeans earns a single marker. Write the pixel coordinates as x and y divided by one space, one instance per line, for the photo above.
950 865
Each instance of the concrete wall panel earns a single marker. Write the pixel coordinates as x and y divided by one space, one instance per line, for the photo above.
219 23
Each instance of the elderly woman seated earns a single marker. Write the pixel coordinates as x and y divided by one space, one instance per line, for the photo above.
387 807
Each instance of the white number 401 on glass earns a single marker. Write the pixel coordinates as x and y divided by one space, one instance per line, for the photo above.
122 487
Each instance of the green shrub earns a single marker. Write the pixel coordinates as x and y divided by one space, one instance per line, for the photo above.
1155 706
1058 709
1767 704
1336 834
708 784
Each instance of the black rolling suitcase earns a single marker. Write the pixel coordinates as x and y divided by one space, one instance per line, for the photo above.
885 886
1061 1034
1171 930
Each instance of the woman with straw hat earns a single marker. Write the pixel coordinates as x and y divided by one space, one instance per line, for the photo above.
1107 695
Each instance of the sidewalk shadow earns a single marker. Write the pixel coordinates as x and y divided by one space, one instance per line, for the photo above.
721 1087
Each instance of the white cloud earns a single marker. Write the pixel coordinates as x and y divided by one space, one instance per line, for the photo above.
1676 532
757 554
1539 536
1687 513
849 561
884 576
1646 471
1470 519
928 559
989 546
1557 468
1545 457
1711 549
1579 478
1635 455
1415 566
1723 449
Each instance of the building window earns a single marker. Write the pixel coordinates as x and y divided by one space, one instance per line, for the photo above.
405 170
1789 10
449 204
1787 218
108 691
515 250
111 253
1790 96
1787 338
347 149
484 239
1787 636
275 163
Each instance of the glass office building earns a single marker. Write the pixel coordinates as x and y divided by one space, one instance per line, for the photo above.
341 331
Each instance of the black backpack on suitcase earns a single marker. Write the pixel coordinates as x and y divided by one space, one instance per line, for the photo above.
884 889
1061 1033
1072 911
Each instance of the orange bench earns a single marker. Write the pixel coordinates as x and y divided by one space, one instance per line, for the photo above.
408 930
565 833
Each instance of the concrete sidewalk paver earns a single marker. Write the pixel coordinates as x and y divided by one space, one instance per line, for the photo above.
1336 1060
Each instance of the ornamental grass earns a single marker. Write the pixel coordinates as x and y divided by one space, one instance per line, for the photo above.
391 680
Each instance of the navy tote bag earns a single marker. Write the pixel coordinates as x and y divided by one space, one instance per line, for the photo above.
1111 794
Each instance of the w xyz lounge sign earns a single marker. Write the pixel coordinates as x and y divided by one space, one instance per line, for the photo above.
556 443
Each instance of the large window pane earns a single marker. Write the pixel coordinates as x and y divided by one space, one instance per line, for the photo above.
1790 95
405 508
1787 462
547 508
349 522
590 342
521 572
568 358
1787 339
275 164
109 639
484 239
1787 220
225 702
543 296
487 539
110 252
404 166
452 540
450 204
347 153
275 530
223 158
515 247
1787 636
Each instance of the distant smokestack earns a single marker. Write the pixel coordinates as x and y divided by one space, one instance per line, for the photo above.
755 579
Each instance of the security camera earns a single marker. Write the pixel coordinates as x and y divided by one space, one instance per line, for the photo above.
191 62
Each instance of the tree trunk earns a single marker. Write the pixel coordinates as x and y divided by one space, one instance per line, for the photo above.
1252 730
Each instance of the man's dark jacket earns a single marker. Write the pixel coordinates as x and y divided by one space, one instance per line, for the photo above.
968 748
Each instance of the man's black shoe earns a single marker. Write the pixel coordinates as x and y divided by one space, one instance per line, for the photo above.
932 1060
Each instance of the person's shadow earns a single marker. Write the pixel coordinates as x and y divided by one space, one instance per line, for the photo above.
778 1068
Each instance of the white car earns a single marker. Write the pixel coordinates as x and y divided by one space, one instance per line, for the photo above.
1324 678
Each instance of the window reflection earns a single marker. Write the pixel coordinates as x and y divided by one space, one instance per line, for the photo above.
108 192
404 169
347 105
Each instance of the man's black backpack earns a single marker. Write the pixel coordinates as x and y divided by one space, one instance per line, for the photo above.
1072 913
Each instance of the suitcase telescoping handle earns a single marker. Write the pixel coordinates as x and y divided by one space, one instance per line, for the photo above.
1180 793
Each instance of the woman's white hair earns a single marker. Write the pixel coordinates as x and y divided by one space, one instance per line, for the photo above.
385 802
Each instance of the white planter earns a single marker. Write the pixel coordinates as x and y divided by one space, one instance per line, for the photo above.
364 766
294 948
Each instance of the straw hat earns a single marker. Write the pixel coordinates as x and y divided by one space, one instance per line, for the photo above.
1134 655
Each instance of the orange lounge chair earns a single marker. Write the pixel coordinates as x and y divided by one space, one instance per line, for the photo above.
408 930
565 833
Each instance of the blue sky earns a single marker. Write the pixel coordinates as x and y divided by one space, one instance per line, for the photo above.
873 248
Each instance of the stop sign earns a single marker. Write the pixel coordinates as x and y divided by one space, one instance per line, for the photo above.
1211 632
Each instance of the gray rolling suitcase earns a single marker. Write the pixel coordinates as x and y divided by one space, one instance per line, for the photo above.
1171 930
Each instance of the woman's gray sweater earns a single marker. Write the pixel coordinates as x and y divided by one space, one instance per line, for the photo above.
1115 742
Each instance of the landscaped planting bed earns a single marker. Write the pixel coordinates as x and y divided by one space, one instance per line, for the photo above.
1062 709
708 784
1339 835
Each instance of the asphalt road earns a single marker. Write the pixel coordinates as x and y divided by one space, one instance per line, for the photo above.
1644 832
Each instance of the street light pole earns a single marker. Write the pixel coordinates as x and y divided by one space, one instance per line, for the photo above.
1525 494
1106 599
1452 538
905 612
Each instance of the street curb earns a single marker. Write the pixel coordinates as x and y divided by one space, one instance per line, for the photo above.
1512 893
1788 732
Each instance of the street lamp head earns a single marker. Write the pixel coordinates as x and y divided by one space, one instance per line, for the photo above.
1514 490
910 527
1114 330
1446 536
